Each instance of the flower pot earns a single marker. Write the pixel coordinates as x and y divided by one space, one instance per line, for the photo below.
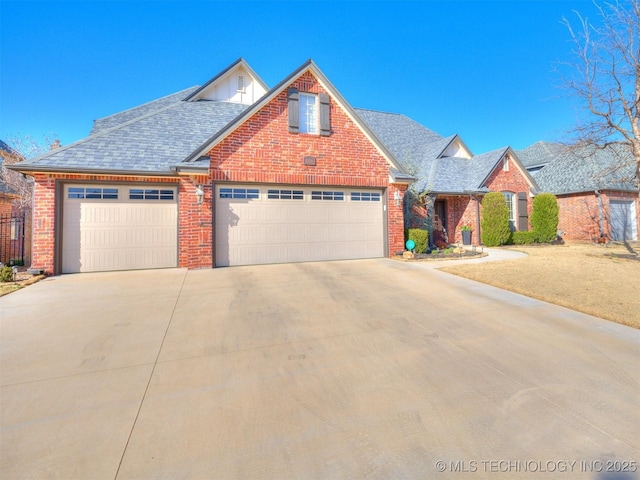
466 237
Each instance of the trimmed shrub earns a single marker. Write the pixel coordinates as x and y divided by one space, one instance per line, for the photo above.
522 238
495 220
544 218
6 274
420 237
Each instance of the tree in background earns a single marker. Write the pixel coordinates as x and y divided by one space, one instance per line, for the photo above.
605 77
495 220
544 218
16 149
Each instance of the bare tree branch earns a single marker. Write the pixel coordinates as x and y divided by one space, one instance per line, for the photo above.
604 76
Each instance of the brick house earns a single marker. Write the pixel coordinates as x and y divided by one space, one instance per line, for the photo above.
596 189
227 173
15 209
450 180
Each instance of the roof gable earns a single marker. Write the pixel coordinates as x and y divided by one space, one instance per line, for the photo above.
238 83
308 67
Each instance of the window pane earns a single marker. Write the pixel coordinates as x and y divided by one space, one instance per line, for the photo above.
110 193
151 194
76 192
166 194
253 193
308 113
93 193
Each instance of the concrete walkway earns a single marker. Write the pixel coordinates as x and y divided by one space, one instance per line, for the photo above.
492 255
354 369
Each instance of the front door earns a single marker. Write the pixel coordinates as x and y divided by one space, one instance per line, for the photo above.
440 223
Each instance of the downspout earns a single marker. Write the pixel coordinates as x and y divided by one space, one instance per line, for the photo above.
600 217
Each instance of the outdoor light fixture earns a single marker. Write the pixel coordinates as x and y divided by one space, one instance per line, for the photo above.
199 194
397 197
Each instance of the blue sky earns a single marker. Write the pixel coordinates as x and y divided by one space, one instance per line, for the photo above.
482 69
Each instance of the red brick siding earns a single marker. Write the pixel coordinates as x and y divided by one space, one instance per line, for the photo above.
195 248
579 214
395 218
263 151
5 205
461 210
43 244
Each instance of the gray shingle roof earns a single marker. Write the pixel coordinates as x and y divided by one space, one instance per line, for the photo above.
419 150
158 140
585 169
125 116
540 153
410 142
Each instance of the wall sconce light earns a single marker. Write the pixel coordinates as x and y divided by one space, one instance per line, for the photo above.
397 197
199 194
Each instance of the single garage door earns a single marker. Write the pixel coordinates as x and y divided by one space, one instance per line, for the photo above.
623 220
281 224
119 227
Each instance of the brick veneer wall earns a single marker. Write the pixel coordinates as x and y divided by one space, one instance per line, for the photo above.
579 216
263 151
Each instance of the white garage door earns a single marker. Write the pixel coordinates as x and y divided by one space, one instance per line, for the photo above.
623 220
271 224
119 227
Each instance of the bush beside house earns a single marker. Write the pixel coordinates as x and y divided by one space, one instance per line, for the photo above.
544 218
420 238
495 220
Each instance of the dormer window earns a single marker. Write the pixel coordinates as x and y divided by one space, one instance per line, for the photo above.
309 113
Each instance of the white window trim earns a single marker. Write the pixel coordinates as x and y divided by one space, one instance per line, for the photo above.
512 208
304 125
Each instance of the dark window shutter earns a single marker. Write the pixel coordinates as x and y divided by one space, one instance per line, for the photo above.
294 111
325 115
523 215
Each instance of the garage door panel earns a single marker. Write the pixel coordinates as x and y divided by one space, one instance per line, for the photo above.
119 234
623 220
272 230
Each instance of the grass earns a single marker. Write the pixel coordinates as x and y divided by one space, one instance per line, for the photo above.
598 280
9 287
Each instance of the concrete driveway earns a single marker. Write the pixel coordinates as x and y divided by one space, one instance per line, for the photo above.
353 369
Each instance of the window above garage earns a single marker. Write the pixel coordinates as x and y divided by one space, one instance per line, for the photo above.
309 113
96 193
150 194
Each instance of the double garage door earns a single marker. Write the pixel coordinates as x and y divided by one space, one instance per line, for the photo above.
126 227
281 224
119 227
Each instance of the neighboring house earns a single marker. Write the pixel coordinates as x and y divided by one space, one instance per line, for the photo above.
450 180
229 173
15 209
596 189
8 193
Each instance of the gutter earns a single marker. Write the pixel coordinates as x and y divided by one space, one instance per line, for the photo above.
120 173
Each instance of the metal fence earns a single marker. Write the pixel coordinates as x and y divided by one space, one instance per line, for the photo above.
14 237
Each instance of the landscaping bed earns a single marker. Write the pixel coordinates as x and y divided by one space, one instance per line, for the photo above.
22 279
